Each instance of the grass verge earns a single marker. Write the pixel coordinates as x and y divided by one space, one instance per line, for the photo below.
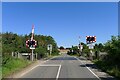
13 65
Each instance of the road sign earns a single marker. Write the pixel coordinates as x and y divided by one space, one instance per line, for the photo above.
49 47
91 46
90 39
31 44
32 47
81 46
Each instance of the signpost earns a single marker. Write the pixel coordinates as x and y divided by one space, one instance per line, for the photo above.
49 47
31 43
91 46
89 41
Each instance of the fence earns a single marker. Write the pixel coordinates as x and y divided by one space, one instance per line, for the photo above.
24 55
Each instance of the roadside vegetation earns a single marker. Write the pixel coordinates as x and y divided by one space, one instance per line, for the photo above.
109 62
12 42
12 65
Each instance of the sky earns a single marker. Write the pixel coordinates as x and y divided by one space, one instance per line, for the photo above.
64 21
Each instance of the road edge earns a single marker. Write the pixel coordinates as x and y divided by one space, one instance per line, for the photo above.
88 68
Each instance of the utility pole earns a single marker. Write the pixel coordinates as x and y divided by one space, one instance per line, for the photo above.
79 47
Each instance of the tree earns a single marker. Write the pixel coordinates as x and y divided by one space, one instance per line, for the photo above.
61 47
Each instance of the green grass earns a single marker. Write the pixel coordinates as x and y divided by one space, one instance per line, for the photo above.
13 65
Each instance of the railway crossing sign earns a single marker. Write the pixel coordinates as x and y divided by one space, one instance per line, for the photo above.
90 39
31 44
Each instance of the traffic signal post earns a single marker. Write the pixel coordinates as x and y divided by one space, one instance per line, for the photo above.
89 41
31 44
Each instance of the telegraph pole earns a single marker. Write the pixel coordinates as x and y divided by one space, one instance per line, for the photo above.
79 46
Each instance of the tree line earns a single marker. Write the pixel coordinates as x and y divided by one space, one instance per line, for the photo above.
11 42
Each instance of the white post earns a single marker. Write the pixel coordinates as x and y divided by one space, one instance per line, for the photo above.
12 54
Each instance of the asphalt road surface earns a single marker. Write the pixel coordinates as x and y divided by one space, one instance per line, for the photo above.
63 67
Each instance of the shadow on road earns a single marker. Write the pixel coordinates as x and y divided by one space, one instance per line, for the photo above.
107 78
93 66
64 58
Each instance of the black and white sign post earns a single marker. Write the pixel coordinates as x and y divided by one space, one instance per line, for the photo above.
31 43
49 47
90 40
91 46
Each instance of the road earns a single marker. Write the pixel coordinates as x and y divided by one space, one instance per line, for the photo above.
61 68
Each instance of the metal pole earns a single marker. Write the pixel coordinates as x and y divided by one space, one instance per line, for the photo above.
91 52
79 46
50 52
36 56
32 55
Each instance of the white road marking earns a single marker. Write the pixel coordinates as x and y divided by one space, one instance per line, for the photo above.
28 71
92 72
35 67
89 69
50 65
58 72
